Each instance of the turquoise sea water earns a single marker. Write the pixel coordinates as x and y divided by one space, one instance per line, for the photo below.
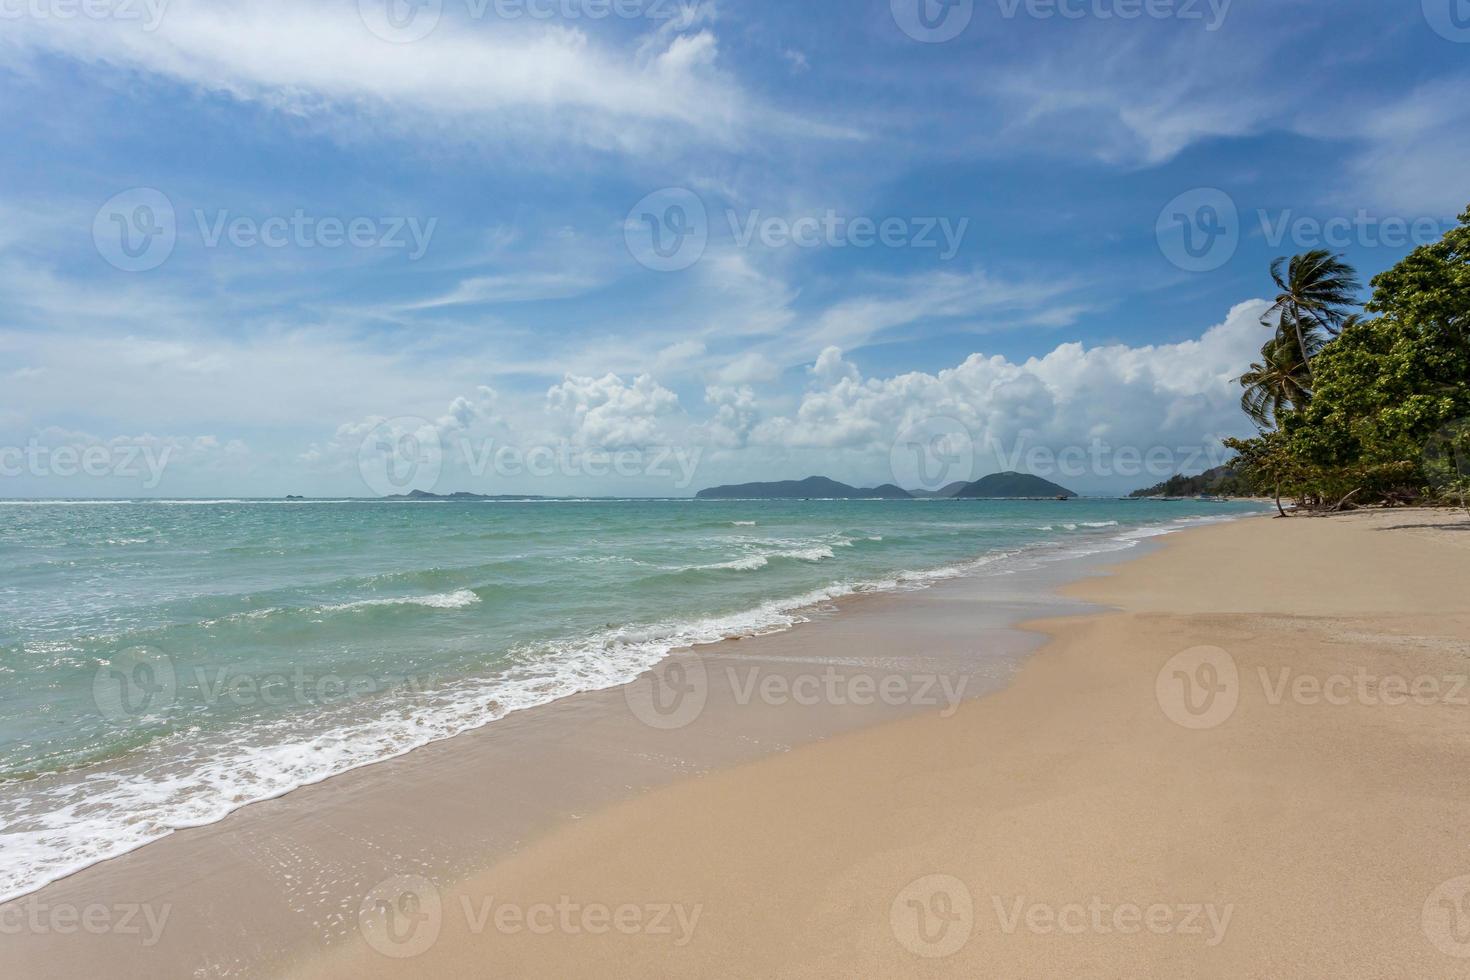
165 662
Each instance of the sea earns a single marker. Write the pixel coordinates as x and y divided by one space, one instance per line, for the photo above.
165 662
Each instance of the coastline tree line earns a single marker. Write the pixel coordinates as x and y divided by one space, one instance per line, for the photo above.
1363 406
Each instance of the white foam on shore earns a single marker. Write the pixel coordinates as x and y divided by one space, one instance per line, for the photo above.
53 831
447 600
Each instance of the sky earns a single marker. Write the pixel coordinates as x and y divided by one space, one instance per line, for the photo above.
251 248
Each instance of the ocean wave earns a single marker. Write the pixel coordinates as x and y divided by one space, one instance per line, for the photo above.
461 599
47 836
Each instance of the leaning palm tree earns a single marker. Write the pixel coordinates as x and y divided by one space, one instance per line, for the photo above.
1313 290
1279 382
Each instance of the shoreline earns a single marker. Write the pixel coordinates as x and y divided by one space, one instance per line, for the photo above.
478 826
768 617
1283 829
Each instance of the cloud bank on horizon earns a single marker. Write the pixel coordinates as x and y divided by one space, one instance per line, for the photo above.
642 246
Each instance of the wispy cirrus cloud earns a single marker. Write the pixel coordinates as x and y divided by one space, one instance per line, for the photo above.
518 77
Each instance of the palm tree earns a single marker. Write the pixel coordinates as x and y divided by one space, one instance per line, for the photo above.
1279 382
1313 291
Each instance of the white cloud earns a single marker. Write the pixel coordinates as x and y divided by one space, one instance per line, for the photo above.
1170 395
610 414
735 416
308 57
1415 158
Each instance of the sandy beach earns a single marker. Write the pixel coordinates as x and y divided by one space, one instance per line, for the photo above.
1304 815
1240 754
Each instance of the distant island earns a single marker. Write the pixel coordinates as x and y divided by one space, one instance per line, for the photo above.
1014 486
997 486
461 496
814 487
943 493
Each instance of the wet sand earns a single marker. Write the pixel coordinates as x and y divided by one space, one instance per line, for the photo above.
1256 765
281 883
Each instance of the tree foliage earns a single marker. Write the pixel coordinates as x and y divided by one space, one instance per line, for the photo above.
1379 397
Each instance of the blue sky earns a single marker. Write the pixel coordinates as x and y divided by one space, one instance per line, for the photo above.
178 181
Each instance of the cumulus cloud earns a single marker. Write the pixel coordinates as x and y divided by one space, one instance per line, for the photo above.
1170 395
735 415
608 413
